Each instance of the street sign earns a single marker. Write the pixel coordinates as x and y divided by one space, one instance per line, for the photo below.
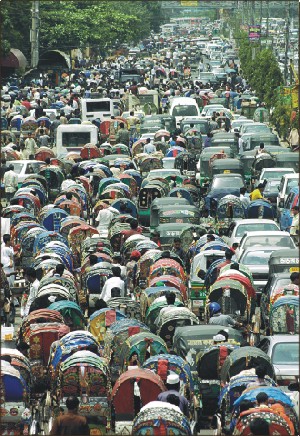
254 33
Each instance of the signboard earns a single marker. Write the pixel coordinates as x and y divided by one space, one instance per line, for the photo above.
254 33
189 3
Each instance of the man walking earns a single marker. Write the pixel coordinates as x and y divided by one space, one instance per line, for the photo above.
10 181
70 423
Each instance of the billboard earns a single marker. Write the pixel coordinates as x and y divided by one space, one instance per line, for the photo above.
254 33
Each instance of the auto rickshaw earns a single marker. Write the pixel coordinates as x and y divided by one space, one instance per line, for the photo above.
253 140
204 162
223 139
54 177
247 158
288 160
154 189
227 166
285 260
175 214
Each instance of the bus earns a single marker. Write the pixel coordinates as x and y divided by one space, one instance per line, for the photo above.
72 137
92 108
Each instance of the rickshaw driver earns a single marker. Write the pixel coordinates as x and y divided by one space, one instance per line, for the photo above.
218 318
256 194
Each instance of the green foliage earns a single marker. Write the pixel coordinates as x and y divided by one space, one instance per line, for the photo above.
69 24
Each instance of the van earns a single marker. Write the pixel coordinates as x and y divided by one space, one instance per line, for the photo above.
72 137
92 108
181 107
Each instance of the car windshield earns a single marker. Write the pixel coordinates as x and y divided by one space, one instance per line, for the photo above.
163 174
286 353
202 128
185 111
256 258
225 182
256 128
17 167
272 174
291 184
243 228
278 240
272 186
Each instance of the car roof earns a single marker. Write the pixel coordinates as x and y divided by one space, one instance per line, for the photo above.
291 176
282 338
253 221
260 248
266 170
227 175
267 233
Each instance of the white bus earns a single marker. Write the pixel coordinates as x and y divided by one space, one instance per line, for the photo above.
72 137
92 108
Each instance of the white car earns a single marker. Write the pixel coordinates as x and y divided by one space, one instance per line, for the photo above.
212 107
283 351
262 239
288 181
162 173
274 173
238 228
255 128
24 168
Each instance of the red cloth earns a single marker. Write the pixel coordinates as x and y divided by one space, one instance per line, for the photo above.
162 369
110 317
133 330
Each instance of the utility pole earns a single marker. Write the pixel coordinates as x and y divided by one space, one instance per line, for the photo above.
34 33
287 41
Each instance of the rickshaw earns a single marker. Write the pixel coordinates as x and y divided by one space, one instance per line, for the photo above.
108 130
148 296
40 337
264 160
103 183
131 243
154 189
138 147
175 214
115 337
71 312
167 266
90 151
43 153
208 367
53 218
130 181
129 307
86 375
172 281
174 317
229 207
233 390
242 358
101 320
186 163
29 201
21 229
71 207
288 160
204 162
261 115
94 279
26 253
162 135
161 146
60 293
260 209
9 211
146 164
78 234
194 143
164 364
62 349
247 158
249 105
154 309
120 149
160 417
19 362
143 267
233 299
137 380
15 412
277 422
136 175
144 344
284 316
182 193
116 190
54 177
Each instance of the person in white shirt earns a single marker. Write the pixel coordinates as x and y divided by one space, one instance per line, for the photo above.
149 147
105 217
113 282
7 259
244 199
30 276
10 181
30 145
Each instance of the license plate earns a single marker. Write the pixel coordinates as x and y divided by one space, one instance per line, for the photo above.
226 171
294 269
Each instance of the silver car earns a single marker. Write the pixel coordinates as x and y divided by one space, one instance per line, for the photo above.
283 351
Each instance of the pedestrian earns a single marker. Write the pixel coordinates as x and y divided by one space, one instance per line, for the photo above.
240 143
70 423
30 145
7 259
122 135
149 147
294 229
6 301
177 249
10 181
217 318
132 270
113 282
31 277
208 140
173 386
105 217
